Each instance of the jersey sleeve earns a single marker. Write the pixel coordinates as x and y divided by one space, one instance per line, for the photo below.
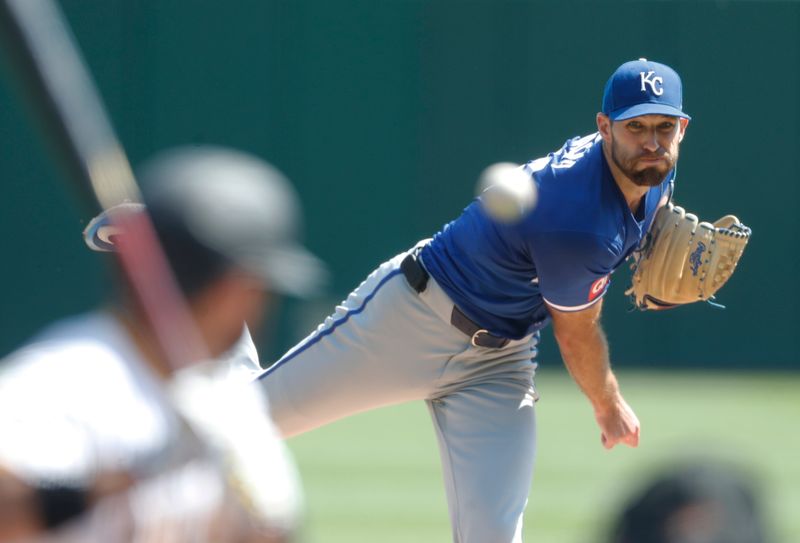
573 268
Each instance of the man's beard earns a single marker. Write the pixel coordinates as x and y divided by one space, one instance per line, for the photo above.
647 177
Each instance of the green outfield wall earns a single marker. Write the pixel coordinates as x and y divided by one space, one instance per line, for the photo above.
384 112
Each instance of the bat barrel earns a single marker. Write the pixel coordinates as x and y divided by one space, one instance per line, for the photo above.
56 81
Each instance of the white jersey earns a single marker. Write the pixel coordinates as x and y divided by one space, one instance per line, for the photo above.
79 399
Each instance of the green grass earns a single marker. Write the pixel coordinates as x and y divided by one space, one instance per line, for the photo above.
376 477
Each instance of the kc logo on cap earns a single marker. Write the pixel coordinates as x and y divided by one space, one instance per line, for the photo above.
643 87
649 79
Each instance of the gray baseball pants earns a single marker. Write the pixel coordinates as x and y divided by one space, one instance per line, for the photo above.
388 344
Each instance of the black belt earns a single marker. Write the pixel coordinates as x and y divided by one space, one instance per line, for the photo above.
417 278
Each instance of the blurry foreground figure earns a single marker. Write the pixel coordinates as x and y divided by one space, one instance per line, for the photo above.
95 442
696 503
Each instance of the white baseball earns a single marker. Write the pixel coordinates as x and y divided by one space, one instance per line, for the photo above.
506 192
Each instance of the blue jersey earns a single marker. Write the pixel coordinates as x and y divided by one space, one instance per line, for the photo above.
500 275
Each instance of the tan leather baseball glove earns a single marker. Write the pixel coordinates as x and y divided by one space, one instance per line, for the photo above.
683 260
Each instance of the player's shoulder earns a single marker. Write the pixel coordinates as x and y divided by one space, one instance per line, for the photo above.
575 159
83 348
572 176
577 195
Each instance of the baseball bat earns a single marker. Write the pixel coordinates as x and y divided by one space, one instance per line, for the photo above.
46 60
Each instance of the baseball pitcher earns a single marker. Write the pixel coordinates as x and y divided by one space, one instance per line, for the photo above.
455 321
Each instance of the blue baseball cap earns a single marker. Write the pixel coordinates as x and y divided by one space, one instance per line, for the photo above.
643 87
